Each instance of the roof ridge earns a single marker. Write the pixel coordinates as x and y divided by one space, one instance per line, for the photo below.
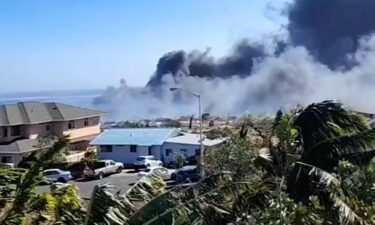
21 107
78 107
6 113
18 147
54 107
170 133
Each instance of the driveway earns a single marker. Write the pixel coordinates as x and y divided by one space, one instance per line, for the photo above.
121 182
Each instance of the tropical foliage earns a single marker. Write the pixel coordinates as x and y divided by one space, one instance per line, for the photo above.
311 165
21 205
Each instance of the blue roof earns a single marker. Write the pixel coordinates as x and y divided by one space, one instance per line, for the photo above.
136 136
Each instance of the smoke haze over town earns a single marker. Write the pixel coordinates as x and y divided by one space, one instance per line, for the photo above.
327 52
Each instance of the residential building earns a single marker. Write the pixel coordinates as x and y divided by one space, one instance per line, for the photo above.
24 124
125 145
188 144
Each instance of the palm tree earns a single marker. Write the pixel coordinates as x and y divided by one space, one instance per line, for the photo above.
327 134
330 132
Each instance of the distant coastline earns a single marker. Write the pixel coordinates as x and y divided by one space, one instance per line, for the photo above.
83 98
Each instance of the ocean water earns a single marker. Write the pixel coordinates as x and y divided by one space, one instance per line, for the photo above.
82 98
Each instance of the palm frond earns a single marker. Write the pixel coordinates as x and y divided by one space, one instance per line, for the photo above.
329 132
192 203
341 146
325 177
332 184
107 208
346 214
113 208
27 183
265 154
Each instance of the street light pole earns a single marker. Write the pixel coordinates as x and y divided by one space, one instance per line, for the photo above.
200 126
201 135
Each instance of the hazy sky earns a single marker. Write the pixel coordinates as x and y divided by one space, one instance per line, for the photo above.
89 44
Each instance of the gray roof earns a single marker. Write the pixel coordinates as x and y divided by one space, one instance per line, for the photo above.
40 112
20 146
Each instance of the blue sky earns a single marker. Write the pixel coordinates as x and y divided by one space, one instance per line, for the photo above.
90 44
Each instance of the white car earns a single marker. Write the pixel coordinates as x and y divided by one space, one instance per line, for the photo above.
164 173
103 167
8 165
146 161
57 175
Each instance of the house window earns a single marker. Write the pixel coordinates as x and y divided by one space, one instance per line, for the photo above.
6 159
73 148
95 121
149 150
48 127
5 132
15 131
197 152
168 151
86 122
71 125
183 151
133 148
106 148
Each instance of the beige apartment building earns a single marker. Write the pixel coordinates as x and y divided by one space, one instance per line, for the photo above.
24 124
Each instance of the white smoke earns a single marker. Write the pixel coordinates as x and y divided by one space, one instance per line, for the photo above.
292 78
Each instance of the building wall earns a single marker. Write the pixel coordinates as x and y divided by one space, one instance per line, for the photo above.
28 131
156 152
80 129
9 136
79 145
75 157
82 132
34 131
121 153
14 158
59 129
176 148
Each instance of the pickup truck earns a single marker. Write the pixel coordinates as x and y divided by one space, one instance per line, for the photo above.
101 168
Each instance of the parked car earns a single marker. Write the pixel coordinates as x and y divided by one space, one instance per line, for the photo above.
164 173
187 173
101 168
76 169
57 175
7 165
146 161
191 160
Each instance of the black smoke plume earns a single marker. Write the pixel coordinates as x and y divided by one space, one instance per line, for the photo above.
331 29
200 64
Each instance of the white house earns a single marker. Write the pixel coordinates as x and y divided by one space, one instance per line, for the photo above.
125 145
189 144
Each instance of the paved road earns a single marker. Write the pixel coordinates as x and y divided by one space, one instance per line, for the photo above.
122 182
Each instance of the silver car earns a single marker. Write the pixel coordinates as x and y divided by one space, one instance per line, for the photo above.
164 173
57 175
